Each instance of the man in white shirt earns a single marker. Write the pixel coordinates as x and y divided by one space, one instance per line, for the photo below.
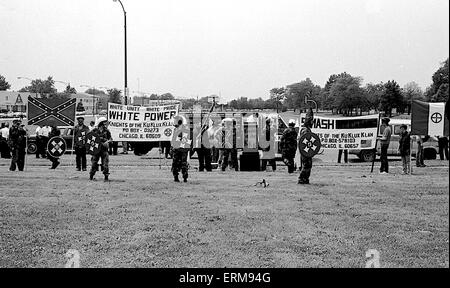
43 133
4 135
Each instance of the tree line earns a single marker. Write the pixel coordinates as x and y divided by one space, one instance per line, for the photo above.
341 94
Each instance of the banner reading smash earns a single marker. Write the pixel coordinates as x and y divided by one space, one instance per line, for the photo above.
345 133
136 123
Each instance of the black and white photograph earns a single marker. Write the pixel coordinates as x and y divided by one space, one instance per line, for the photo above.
240 137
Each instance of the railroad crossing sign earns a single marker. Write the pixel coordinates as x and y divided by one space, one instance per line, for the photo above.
93 145
309 144
56 147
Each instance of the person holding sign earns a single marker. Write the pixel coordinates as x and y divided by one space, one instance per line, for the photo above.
105 138
385 139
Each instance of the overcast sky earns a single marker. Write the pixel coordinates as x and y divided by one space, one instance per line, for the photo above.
238 48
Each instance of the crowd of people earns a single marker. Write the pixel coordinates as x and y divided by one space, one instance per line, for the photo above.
13 146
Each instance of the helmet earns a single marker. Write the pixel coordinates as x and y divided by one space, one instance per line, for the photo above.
100 120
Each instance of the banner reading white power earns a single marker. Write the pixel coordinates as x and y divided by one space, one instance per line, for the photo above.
345 133
139 124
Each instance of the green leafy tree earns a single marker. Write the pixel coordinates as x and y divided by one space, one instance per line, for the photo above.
391 98
326 101
94 91
4 85
347 94
412 91
44 87
372 97
115 96
438 92
70 90
296 93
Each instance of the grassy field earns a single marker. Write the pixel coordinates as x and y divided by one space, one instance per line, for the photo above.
141 218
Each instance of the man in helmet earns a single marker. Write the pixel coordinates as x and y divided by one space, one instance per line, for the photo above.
180 147
288 145
305 171
105 138
80 133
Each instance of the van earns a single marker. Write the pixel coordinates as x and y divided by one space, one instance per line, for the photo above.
431 146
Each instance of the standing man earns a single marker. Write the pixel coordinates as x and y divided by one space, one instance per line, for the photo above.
4 136
420 152
345 151
443 147
17 141
80 132
44 133
384 141
203 153
268 153
53 133
180 152
227 136
105 138
288 144
404 148
305 172
38 142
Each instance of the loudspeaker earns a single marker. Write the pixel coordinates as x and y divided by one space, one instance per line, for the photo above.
249 161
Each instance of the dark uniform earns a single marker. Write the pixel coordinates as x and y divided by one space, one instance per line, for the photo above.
17 144
268 153
53 133
180 155
80 133
288 144
229 148
203 153
306 162
104 135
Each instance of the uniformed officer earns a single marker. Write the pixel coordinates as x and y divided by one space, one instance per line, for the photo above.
17 144
53 133
305 172
105 138
180 148
288 145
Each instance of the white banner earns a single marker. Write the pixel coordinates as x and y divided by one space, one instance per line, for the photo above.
141 124
345 133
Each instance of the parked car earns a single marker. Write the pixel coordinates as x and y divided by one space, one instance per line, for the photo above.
431 146
66 134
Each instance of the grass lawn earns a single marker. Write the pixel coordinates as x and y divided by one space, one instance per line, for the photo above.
141 218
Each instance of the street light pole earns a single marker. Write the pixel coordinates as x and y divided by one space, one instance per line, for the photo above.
125 46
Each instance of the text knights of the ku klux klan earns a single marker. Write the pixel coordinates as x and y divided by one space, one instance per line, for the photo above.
346 133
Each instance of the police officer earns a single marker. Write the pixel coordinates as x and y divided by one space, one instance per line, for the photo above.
288 145
105 138
17 141
80 132
180 148
53 133
305 172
